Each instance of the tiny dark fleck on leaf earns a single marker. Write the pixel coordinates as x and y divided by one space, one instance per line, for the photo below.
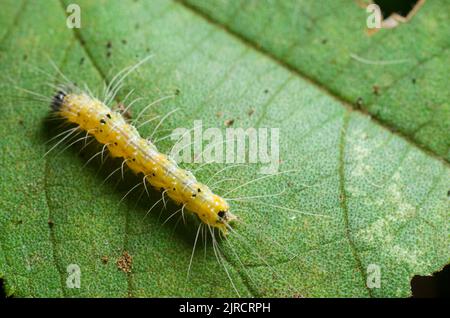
324 41
359 102
124 41
109 44
50 223
82 61
229 122
105 259
126 113
376 89
413 81
266 91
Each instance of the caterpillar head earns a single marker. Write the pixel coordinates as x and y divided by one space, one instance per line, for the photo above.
221 214
57 100
215 213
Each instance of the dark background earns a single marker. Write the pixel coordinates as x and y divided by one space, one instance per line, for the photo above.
402 7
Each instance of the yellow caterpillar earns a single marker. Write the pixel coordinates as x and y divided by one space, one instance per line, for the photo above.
141 156
110 128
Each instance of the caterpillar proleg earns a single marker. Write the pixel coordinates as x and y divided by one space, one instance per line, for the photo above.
123 141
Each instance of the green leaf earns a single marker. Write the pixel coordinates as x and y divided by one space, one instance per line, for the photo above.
397 75
375 197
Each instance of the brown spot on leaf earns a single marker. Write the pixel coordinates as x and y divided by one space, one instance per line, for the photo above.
126 113
376 89
229 122
105 259
125 262
359 103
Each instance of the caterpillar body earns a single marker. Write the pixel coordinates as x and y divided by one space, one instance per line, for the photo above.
91 115
123 140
